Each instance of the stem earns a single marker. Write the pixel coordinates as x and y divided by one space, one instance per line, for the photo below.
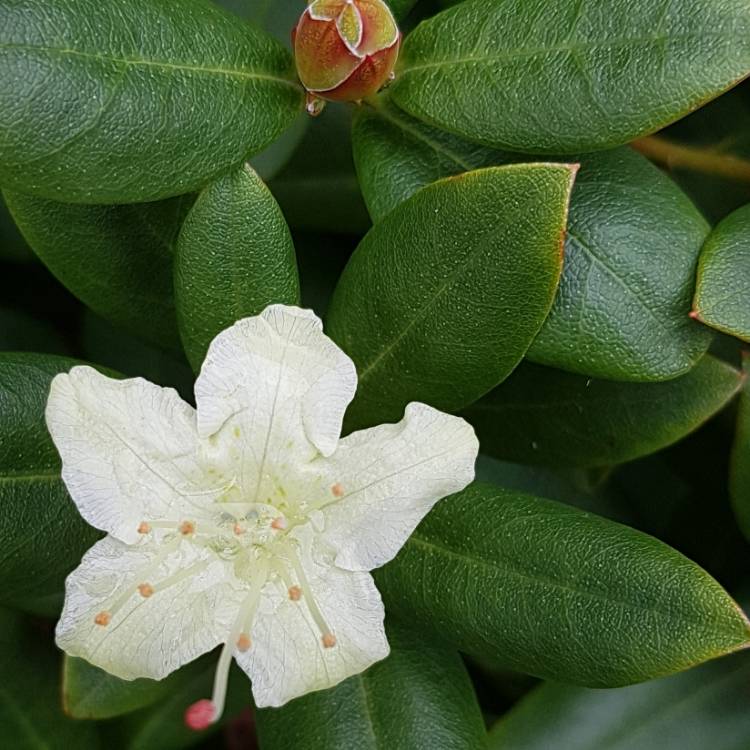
679 156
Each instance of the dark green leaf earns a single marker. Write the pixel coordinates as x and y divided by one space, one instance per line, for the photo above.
30 714
91 693
13 247
722 295
540 415
42 536
703 708
107 103
21 332
162 726
443 297
115 259
419 697
617 313
739 473
234 257
550 590
572 75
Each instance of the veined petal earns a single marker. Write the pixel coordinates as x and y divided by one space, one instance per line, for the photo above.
326 10
379 27
128 448
187 611
288 658
388 478
282 385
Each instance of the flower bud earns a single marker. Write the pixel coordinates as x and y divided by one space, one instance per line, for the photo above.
345 49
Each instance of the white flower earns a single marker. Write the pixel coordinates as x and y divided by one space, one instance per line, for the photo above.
246 521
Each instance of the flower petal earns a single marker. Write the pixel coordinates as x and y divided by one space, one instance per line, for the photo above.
389 478
189 612
282 385
128 448
288 658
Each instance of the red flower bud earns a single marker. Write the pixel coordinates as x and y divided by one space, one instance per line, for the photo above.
345 49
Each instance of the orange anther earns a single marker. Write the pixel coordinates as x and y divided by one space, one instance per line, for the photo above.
103 618
329 640
144 527
145 590
186 528
295 593
278 523
239 530
337 490
244 642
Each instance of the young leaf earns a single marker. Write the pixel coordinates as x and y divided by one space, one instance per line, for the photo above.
91 693
573 75
115 259
540 415
137 101
703 708
617 313
553 591
234 257
30 714
739 470
419 697
42 536
443 297
722 295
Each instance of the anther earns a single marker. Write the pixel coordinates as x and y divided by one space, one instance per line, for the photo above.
239 530
295 593
337 490
200 715
145 590
103 618
144 528
278 523
243 642
329 640
186 528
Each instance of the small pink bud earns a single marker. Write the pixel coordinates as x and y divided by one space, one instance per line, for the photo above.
345 49
200 715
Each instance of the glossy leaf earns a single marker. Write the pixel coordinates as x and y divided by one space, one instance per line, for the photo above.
443 297
617 314
163 724
91 693
722 295
234 257
703 708
574 75
540 415
115 259
31 717
134 102
739 472
419 697
42 536
553 591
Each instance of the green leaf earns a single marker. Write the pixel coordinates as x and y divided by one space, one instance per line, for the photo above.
162 725
234 257
722 294
442 297
617 313
739 470
573 75
134 102
553 591
91 693
419 697
13 248
703 708
30 714
21 332
42 536
115 259
540 415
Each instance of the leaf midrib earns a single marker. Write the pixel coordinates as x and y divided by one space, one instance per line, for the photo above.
158 64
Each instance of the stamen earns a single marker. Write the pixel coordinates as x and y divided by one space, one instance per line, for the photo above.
145 590
329 640
278 523
144 527
103 618
295 593
337 490
186 528
205 712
